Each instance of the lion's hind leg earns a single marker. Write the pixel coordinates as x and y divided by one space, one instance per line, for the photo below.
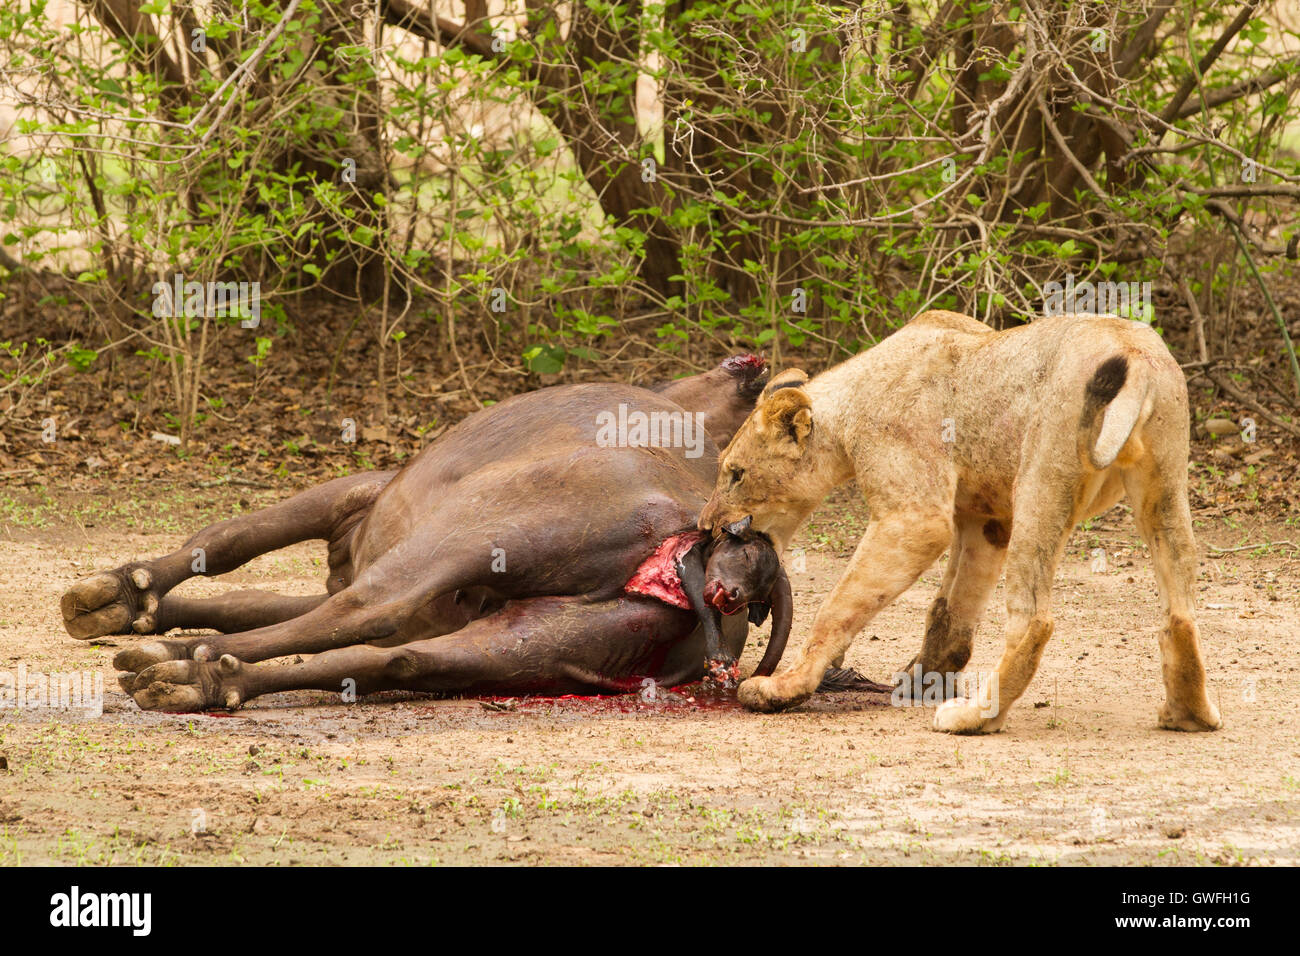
1158 493
974 566
1046 505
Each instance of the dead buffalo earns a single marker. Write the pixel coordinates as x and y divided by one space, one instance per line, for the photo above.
543 545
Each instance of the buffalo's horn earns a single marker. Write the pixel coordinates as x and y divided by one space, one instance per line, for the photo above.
782 618
738 528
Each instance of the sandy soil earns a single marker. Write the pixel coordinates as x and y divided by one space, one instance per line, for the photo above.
1081 775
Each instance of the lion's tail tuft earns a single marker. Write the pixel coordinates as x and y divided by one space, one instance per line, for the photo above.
1121 389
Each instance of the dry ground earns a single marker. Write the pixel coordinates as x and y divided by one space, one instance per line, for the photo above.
1081 775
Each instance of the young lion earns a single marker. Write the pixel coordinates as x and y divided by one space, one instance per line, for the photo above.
995 444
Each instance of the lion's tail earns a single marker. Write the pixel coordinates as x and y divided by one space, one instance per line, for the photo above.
1120 388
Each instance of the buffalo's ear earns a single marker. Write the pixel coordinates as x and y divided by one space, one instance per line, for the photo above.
787 414
737 529
791 377
758 612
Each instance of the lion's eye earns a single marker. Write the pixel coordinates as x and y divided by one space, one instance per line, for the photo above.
736 475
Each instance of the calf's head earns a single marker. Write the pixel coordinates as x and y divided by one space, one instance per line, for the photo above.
767 474
741 570
744 572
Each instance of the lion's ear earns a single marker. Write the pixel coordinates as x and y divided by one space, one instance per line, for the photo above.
787 415
790 378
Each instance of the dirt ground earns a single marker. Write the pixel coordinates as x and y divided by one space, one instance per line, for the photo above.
1080 776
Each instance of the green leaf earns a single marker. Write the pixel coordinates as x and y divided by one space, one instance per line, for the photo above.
545 359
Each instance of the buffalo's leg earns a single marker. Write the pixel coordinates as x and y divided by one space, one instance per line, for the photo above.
543 645
386 601
720 667
128 598
235 611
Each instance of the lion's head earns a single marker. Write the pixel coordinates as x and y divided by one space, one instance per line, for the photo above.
763 472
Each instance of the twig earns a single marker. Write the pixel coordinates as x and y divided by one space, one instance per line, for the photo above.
1255 547
1245 399
1198 320
1064 147
1263 287
1196 77
234 480
244 74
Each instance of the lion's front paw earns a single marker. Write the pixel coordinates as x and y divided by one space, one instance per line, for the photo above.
769 694
189 686
961 715
1206 717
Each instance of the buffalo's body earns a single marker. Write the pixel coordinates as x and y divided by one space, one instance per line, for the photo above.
495 561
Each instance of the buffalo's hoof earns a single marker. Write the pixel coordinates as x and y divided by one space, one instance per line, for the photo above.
722 673
848 678
142 656
766 695
189 686
121 601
